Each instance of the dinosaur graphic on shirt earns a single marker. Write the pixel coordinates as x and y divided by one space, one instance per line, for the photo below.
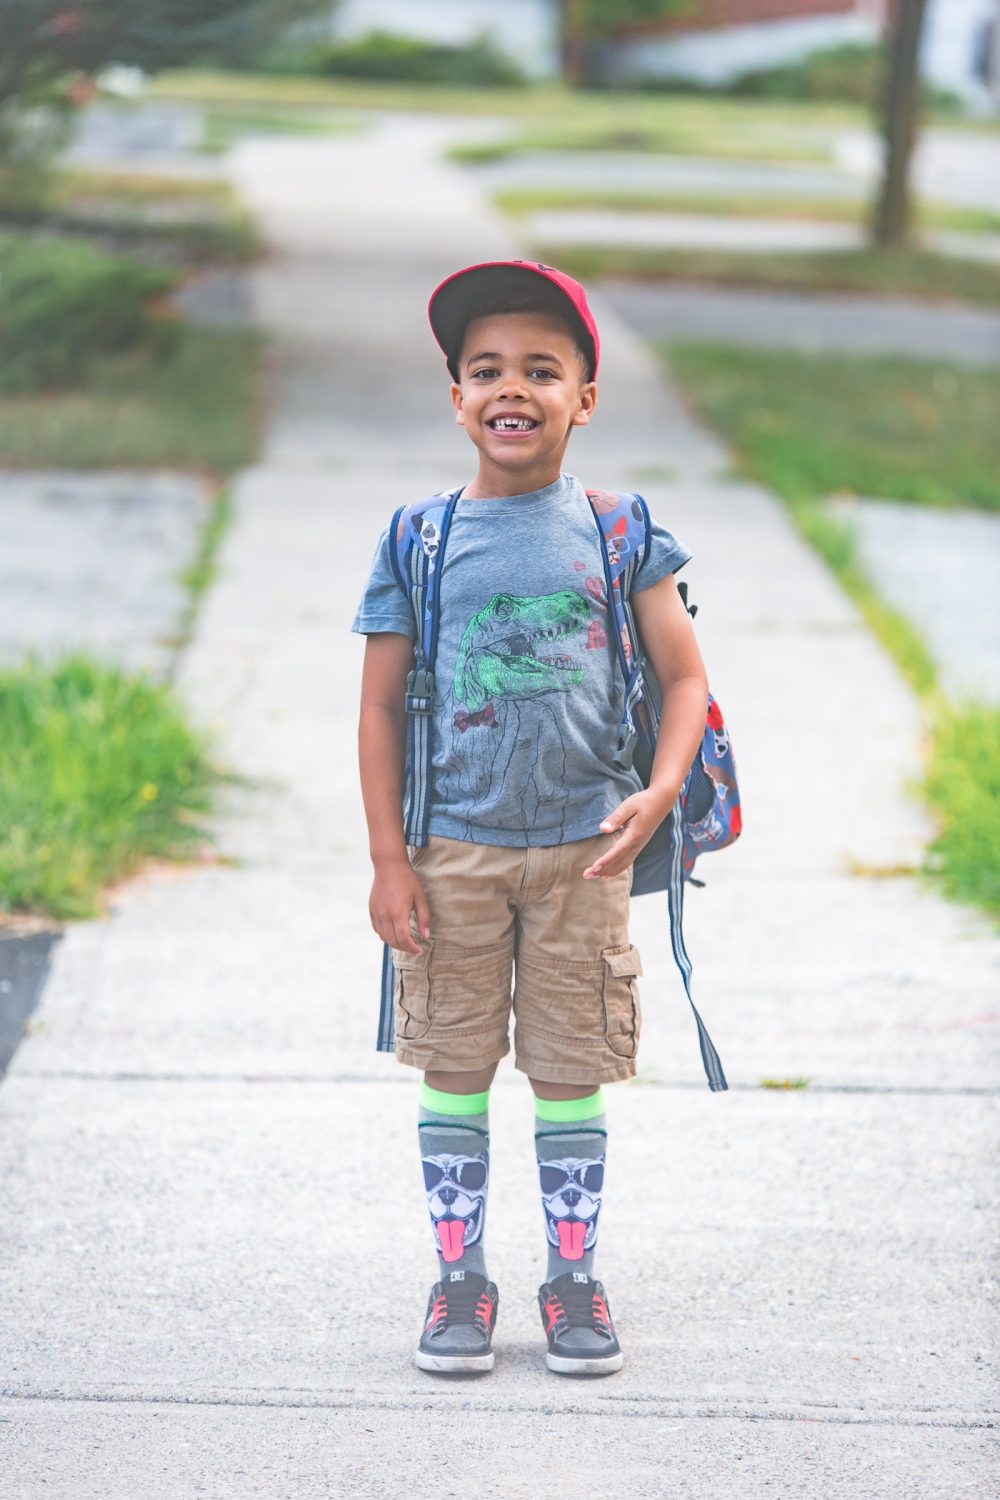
514 648
508 754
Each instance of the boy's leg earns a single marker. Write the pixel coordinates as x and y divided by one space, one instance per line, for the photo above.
454 1133
452 1010
570 1144
455 1154
578 1023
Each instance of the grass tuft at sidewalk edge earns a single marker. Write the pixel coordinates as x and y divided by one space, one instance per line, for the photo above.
99 770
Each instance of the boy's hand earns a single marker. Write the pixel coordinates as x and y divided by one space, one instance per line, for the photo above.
396 893
638 816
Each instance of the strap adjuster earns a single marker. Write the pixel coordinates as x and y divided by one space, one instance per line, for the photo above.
420 691
625 748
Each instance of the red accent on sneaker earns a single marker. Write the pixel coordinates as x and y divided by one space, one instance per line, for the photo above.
438 1311
554 1308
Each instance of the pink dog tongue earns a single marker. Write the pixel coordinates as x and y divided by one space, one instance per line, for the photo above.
450 1233
571 1236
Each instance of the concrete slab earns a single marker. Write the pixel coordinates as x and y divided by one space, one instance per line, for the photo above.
91 562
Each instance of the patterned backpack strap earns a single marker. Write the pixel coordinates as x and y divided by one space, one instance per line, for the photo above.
418 532
623 521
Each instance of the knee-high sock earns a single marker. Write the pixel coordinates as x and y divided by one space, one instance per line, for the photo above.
570 1141
455 1150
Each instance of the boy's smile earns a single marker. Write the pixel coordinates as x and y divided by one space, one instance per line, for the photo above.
523 390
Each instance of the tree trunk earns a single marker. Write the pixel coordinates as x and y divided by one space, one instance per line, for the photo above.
572 44
899 121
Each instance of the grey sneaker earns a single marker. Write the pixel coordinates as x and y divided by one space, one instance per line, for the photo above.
578 1326
461 1316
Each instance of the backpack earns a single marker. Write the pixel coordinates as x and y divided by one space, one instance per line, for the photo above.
706 815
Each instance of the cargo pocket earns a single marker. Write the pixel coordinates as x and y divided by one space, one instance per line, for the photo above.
621 1000
413 991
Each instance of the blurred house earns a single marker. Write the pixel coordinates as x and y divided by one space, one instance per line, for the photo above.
525 30
712 41
716 40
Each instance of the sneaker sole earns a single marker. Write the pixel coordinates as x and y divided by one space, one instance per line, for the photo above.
563 1366
445 1364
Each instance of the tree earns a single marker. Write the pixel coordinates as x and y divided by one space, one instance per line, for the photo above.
51 48
899 121
586 25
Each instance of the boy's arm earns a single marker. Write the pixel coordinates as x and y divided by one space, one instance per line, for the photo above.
665 627
396 891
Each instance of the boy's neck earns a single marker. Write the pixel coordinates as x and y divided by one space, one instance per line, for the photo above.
493 483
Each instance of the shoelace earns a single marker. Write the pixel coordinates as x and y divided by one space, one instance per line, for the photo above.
581 1307
464 1305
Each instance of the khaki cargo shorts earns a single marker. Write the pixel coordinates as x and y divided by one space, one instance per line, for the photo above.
498 912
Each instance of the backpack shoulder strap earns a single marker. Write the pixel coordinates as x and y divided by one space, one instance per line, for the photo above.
418 533
623 522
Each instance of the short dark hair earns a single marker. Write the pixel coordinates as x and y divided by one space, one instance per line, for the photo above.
518 298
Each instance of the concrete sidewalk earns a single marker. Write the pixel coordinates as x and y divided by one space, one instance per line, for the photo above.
213 1249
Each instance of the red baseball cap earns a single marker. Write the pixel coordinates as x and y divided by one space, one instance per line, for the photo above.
456 301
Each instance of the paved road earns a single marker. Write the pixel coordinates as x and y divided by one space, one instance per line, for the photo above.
809 321
214 1249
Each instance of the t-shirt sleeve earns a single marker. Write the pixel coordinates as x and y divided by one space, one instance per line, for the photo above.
666 555
383 604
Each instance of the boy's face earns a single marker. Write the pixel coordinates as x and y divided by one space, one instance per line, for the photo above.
522 390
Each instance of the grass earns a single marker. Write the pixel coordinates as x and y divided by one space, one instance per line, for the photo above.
99 771
198 577
963 786
807 425
188 219
193 408
226 123
520 202
795 421
915 273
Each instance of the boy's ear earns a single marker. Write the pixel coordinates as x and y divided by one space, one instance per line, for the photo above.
456 401
588 401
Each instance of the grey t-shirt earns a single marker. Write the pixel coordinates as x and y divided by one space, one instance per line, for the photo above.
529 692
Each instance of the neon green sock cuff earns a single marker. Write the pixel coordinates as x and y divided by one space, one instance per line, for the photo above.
567 1111
453 1104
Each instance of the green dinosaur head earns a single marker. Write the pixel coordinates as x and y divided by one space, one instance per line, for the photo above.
516 648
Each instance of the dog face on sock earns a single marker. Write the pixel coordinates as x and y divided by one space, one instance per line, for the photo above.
456 1196
571 1198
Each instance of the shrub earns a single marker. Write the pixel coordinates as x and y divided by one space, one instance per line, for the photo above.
382 55
62 303
849 73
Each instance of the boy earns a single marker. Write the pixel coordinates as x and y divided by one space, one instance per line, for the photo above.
532 828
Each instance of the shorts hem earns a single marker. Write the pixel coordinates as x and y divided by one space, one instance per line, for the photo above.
616 1072
428 1058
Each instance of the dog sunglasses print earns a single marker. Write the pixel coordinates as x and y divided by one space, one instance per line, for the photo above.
456 1196
571 1199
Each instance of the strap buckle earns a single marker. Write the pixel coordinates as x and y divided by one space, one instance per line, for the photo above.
420 691
625 749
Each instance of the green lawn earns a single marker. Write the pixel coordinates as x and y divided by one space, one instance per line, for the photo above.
915 273
226 123
186 219
194 408
99 771
807 425
520 202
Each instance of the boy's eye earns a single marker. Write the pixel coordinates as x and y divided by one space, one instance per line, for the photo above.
545 374
486 370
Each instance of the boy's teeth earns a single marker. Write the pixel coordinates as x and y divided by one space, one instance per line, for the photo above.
515 424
